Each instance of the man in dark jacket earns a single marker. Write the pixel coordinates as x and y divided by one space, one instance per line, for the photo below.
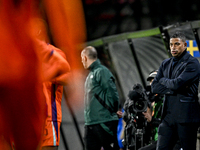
178 79
101 104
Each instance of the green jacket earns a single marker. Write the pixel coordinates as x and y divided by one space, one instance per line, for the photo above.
101 82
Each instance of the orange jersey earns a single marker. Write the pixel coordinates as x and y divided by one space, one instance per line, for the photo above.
53 94
51 135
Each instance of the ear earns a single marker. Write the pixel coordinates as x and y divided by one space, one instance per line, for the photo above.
85 57
185 44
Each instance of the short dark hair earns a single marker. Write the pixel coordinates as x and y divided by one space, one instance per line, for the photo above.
91 52
180 35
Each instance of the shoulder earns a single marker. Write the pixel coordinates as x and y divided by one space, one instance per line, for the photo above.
103 71
57 50
193 62
191 58
166 61
60 52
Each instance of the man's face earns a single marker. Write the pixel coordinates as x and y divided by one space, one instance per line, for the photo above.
177 46
84 59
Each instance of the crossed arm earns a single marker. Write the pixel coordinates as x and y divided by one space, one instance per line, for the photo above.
163 85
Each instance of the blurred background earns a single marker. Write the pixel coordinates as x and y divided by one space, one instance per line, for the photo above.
109 17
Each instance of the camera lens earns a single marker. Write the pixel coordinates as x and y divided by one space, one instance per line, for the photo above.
140 105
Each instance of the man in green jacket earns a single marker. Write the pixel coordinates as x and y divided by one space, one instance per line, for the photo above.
101 104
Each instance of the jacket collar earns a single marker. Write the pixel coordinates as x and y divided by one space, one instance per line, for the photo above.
94 65
181 59
181 56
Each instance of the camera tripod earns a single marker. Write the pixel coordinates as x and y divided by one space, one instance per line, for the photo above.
137 131
139 141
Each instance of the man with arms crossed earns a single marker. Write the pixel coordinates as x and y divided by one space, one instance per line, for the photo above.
178 79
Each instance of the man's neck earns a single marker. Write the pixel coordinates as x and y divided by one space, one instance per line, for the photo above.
183 53
90 62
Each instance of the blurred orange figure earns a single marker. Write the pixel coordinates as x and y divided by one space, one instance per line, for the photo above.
22 108
55 70
24 66
68 29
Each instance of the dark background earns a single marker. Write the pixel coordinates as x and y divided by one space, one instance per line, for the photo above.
110 17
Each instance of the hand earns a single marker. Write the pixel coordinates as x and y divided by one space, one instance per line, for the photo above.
148 114
119 114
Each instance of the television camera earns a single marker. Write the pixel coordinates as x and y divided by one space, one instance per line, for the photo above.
136 125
